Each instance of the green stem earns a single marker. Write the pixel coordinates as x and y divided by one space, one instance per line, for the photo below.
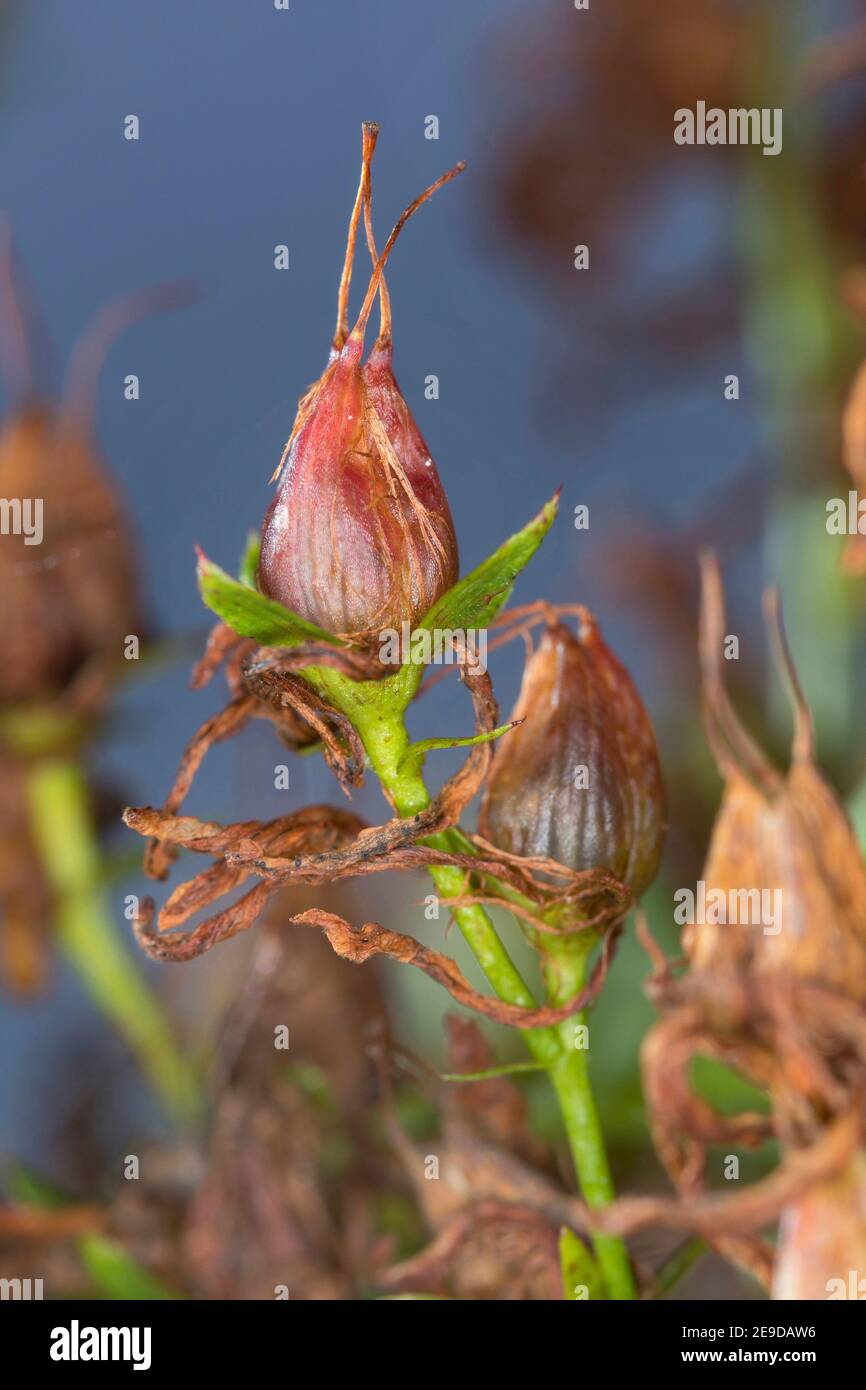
62 828
565 972
386 741
507 1069
678 1264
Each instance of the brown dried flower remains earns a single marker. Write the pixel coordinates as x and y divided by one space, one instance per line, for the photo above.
783 1007
321 844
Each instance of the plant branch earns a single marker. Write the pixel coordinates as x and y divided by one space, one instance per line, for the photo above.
566 972
383 733
63 831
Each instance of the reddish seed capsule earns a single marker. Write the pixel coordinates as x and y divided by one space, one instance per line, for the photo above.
359 536
579 781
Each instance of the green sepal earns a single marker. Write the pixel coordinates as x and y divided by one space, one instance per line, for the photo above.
581 1277
250 560
472 603
117 1275
475 600
250 614
413 759
488 1074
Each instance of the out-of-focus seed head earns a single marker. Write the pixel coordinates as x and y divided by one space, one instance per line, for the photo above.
579 780
69 582
359 536
72 597
783 854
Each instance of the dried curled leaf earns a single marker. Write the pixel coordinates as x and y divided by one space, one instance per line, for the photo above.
357 944
751 1209
263 687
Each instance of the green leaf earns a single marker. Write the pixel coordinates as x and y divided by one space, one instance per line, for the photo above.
477 598
472 603
117 1275
250 614
413 759
250 560
581 1278
678 1264
27 1188
507 1069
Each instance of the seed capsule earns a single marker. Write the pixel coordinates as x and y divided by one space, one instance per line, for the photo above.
77 604
359 536
579 780
70 590
783 855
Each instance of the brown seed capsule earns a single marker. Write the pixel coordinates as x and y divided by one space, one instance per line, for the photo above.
359 536
579 780
68 581
783 859
72 597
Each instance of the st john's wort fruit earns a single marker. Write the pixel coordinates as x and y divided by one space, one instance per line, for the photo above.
359 535
784 880
70 588
75 607
579 780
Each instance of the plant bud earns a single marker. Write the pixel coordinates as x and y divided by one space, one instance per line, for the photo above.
359 536
579 780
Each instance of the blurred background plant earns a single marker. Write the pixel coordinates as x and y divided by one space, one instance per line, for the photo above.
72 616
